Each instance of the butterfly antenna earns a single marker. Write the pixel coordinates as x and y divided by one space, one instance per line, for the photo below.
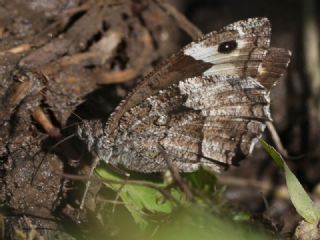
80 118
73 124
70 125
46 154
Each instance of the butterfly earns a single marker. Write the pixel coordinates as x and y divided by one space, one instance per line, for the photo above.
207 105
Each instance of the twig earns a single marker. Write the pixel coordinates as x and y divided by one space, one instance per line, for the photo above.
17 49
193 31
45 122
114 202
263 186
88 183
276 139
116 77
119 191
176 176
279 146
130 182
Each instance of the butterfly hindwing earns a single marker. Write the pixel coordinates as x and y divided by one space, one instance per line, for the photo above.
235 110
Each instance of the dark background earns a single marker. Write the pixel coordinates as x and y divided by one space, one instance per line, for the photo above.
64 88
295 100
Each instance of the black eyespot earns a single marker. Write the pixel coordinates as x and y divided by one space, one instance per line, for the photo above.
227 47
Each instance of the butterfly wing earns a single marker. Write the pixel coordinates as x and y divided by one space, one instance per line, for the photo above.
234 111
207 105
235 108
212 121
206 56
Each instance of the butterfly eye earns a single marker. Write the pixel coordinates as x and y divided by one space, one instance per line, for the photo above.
227 47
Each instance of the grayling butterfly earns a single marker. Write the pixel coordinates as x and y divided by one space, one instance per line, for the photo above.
207 105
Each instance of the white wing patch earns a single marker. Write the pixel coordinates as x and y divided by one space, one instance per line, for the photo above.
210 54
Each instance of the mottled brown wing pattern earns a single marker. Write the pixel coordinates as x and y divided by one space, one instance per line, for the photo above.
211 121
207 105
235 110
155 125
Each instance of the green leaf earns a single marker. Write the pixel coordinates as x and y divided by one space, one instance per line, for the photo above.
273 154
202 180
141 201
299 198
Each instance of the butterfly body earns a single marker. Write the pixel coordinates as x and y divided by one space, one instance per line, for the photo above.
205 106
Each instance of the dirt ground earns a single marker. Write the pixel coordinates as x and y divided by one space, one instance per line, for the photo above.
65 61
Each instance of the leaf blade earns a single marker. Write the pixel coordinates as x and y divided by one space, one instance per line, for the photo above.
138 199
298 196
